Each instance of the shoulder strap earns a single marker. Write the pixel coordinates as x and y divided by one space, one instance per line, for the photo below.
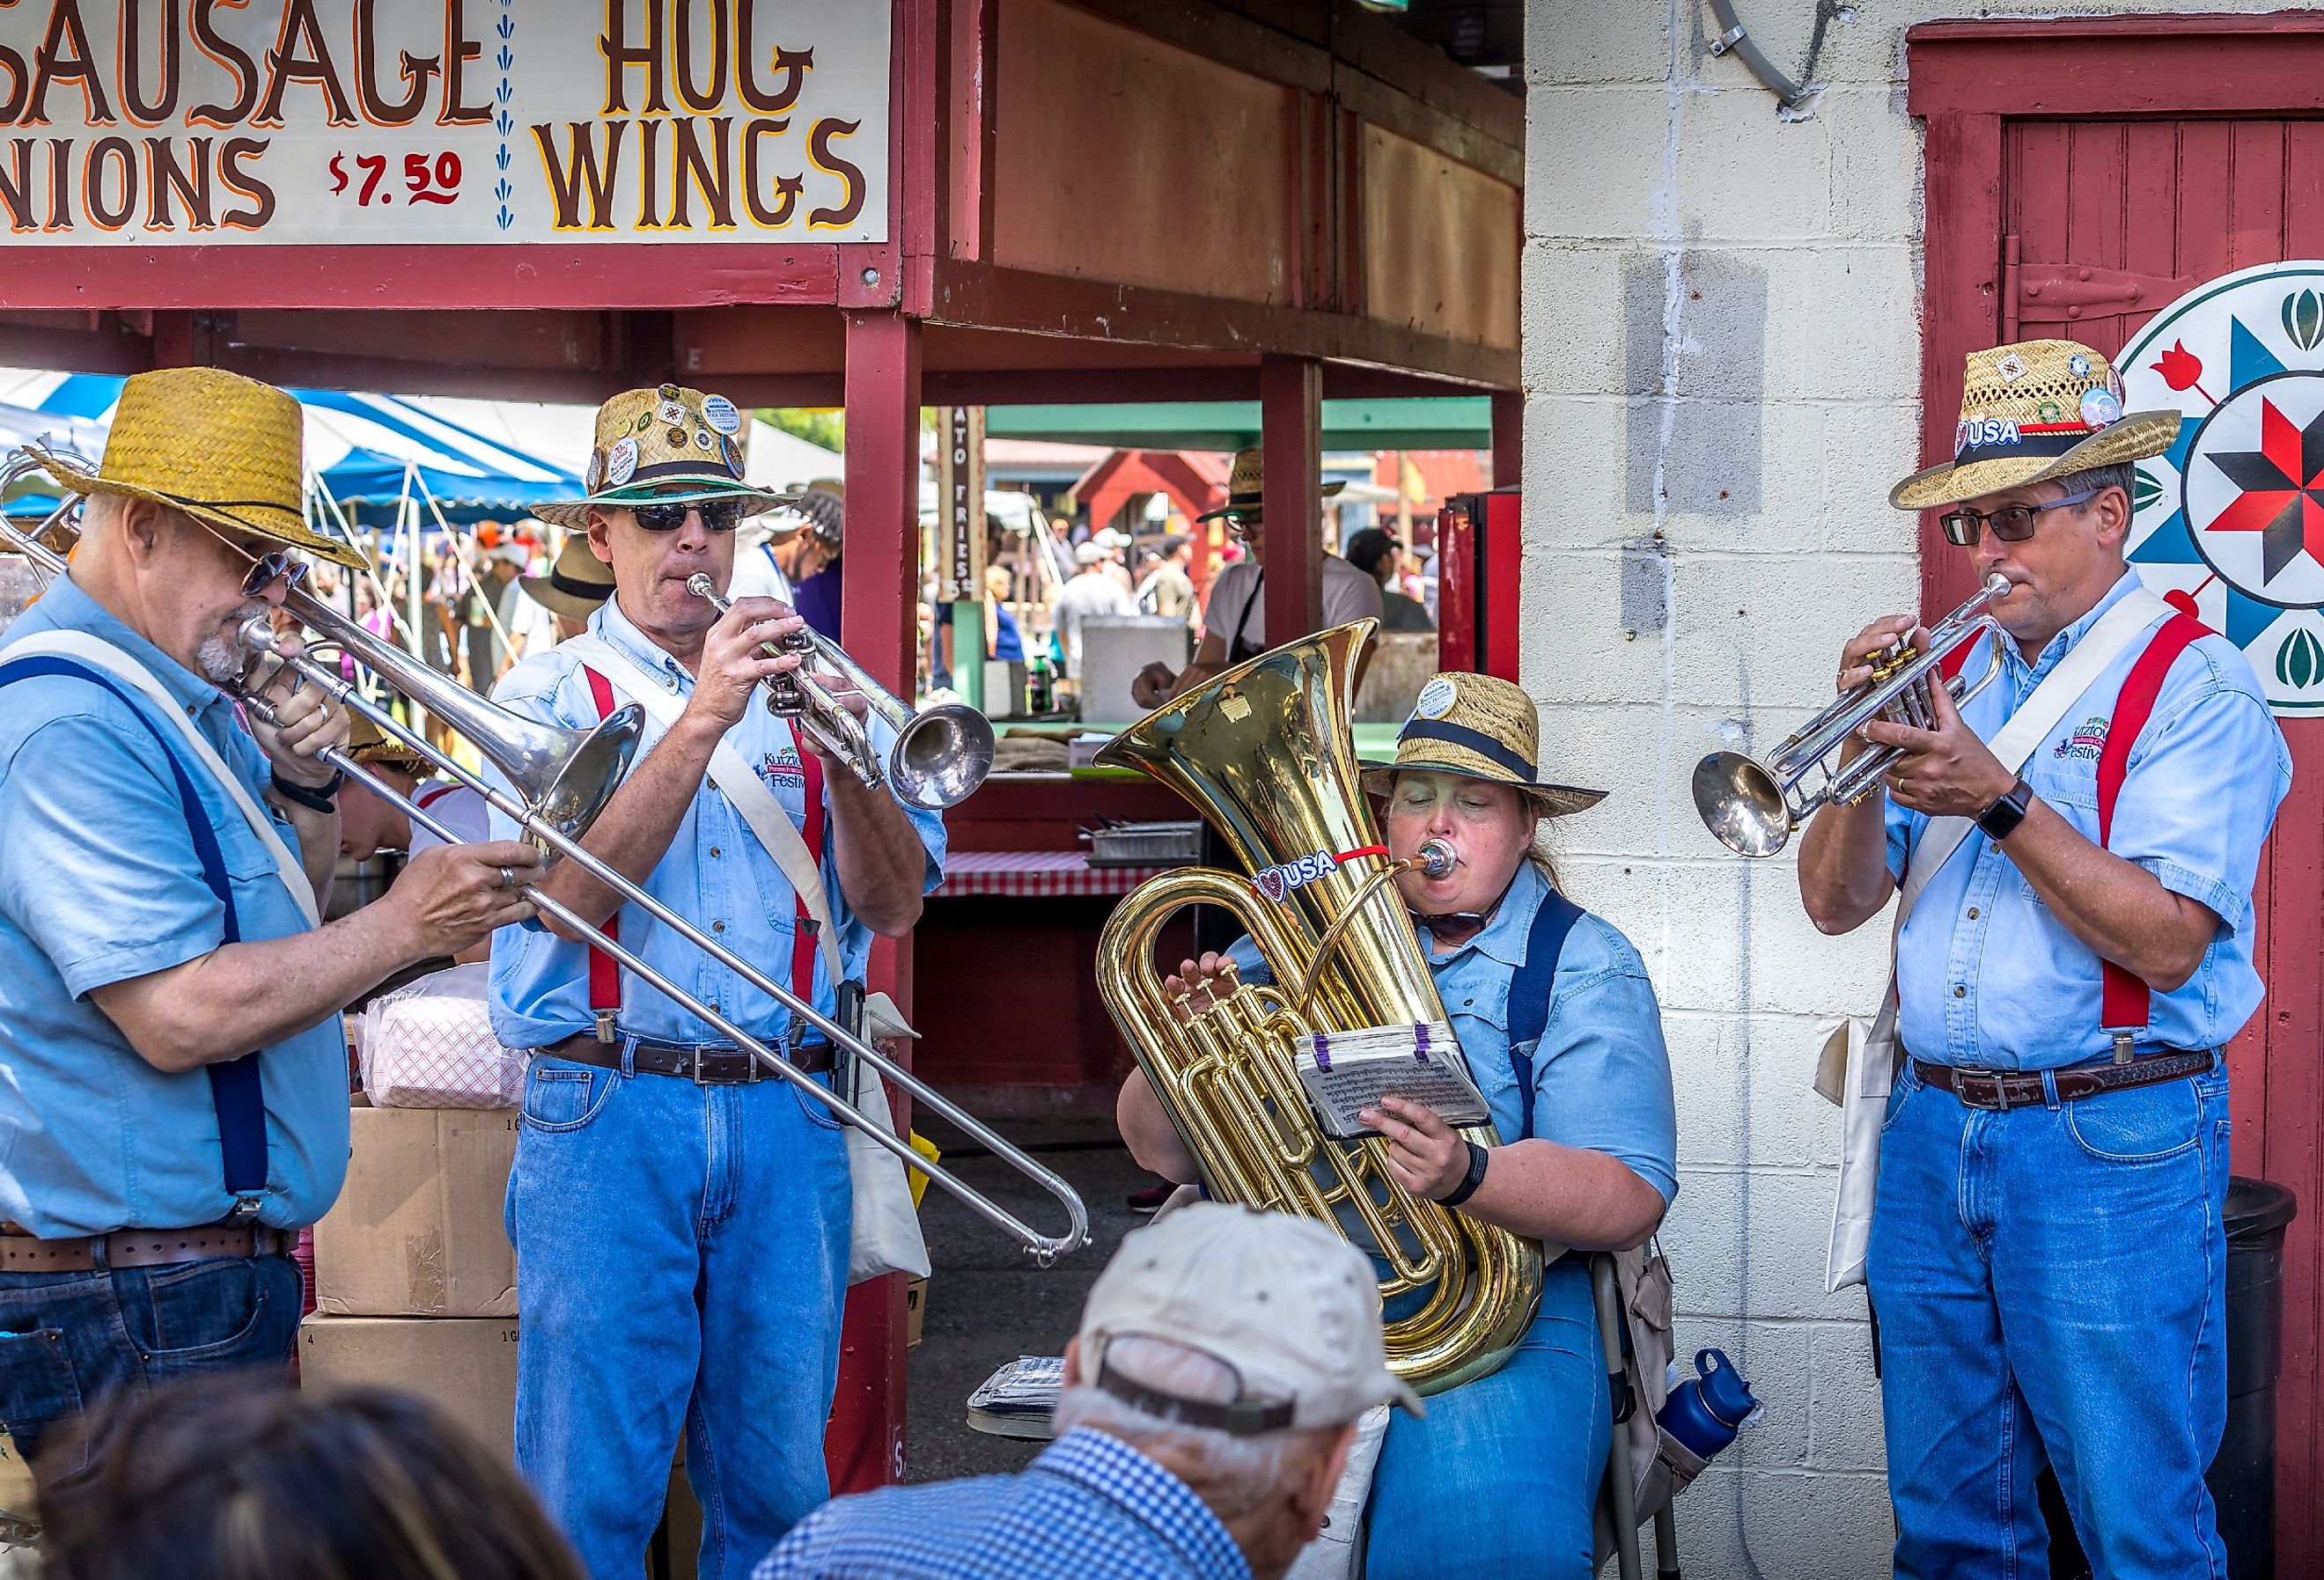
234 1089
94 654
1530 989
2124 1000
604 976
732 778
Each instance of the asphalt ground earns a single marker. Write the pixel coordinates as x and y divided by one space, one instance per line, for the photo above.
987 1302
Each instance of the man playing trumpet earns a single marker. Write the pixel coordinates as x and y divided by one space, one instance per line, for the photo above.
2077 847
683 1224
174 1105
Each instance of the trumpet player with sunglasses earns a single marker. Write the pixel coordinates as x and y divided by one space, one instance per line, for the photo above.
683 1226
173 1090
2075 847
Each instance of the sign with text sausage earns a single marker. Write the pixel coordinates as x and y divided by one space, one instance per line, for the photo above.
412 121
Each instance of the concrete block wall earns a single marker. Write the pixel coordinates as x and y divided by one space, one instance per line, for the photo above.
1721 361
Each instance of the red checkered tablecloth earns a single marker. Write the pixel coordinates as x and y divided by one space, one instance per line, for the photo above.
1035 874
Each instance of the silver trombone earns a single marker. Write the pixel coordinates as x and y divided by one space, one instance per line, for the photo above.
941 753
1753 805
552 774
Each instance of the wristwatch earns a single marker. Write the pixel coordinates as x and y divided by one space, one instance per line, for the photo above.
1478 1159
1999 821
315 798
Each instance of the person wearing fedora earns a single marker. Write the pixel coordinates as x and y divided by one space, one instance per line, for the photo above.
2076 848
1553 1010
175 1101
1234 620
577 582
1200 1434
683 1226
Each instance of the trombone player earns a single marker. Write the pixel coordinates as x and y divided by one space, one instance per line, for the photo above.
174 1105
683 1224
2046 1254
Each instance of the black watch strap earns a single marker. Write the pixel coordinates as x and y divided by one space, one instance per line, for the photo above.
1999 821
315 798
1478 1159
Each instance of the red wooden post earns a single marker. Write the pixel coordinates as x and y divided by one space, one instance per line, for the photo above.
1291 427
1508 439
864 1447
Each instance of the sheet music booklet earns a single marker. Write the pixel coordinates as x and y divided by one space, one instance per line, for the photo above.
1347 1072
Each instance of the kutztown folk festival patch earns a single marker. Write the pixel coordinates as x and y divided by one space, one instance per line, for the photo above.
2228 524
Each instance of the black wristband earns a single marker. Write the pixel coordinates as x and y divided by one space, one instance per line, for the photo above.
322 797
1478 1159
1999 821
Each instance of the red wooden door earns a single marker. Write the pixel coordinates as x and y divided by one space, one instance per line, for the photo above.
2081 176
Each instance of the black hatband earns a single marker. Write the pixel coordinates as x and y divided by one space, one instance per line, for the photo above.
1477 741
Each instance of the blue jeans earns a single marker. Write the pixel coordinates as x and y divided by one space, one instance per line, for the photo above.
1500 1477
2051 1281
68 1339
682 1260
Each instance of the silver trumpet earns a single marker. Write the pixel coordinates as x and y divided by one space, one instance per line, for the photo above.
564 778
1753 805
941 754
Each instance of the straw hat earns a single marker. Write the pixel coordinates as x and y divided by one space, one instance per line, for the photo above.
1243 484
368 744
2037 410
669 443
1482 727
577 582
223 449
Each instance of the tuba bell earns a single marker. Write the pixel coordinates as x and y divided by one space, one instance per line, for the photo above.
1264 752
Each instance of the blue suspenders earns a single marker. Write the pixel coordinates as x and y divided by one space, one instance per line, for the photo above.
234 1089
1530 990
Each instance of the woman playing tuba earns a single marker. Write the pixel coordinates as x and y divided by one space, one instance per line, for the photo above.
1553 1010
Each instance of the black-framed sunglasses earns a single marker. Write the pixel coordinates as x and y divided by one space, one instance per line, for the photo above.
718 515
2012 523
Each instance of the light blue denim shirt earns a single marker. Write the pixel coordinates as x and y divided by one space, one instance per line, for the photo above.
1986 976
99 884
716 873
1601 1076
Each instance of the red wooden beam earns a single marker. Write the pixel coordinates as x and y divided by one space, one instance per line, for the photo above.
1291 425
2112 66
1508 439
1962 291
864 1447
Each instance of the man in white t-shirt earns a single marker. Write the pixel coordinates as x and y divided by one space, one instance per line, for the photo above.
1092 593
1235 620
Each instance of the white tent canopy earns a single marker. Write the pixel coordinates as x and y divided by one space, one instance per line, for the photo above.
559 434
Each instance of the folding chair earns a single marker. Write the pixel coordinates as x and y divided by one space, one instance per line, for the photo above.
1617 1490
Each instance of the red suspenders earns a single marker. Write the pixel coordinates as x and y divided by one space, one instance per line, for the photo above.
604 976
2124 999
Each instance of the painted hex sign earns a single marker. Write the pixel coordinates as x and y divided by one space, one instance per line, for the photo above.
2228 524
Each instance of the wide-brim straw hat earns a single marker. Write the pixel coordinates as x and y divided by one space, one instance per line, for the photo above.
225 449
577 583
1244 481
669 444
1480 726
2032 411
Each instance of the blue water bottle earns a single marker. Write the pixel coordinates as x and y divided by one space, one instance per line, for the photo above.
1704 1411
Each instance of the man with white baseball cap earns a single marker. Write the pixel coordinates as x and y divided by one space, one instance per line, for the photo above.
1210 1402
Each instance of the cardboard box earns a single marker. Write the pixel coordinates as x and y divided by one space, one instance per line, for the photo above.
417 1231
916 1310
465 1365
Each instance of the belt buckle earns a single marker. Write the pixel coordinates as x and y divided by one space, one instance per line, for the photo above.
701 1055
1967 1086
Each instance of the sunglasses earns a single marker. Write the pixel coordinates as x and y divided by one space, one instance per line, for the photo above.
718 515
2012 523
265 570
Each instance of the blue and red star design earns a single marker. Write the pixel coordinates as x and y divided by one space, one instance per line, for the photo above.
2282 485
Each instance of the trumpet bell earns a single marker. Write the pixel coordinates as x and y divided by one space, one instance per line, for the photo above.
1742 803
940 756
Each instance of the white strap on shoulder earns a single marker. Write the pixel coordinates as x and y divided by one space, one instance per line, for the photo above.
2033 721
732 778
99 653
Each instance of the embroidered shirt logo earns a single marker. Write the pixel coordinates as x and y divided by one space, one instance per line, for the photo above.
2087 741
781 770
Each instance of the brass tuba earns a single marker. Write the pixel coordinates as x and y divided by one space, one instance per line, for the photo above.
1264 752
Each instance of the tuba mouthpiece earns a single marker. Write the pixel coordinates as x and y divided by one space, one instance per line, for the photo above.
1435 858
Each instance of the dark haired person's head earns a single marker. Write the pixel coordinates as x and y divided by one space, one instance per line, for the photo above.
221 1478
1369 549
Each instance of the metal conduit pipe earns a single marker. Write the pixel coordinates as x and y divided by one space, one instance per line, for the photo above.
1733 38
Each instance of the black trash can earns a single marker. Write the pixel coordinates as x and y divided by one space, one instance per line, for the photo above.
2242 1478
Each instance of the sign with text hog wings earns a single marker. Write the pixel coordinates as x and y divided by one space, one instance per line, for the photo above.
133 123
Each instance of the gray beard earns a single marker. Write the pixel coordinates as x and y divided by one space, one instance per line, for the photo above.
222 659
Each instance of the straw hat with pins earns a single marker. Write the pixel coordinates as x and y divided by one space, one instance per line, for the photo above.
669 444
577 583
1243 485
1479 726
223 449
2037 410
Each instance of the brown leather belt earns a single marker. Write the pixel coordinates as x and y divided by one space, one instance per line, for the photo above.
715 1065
20 1253
2003 1090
